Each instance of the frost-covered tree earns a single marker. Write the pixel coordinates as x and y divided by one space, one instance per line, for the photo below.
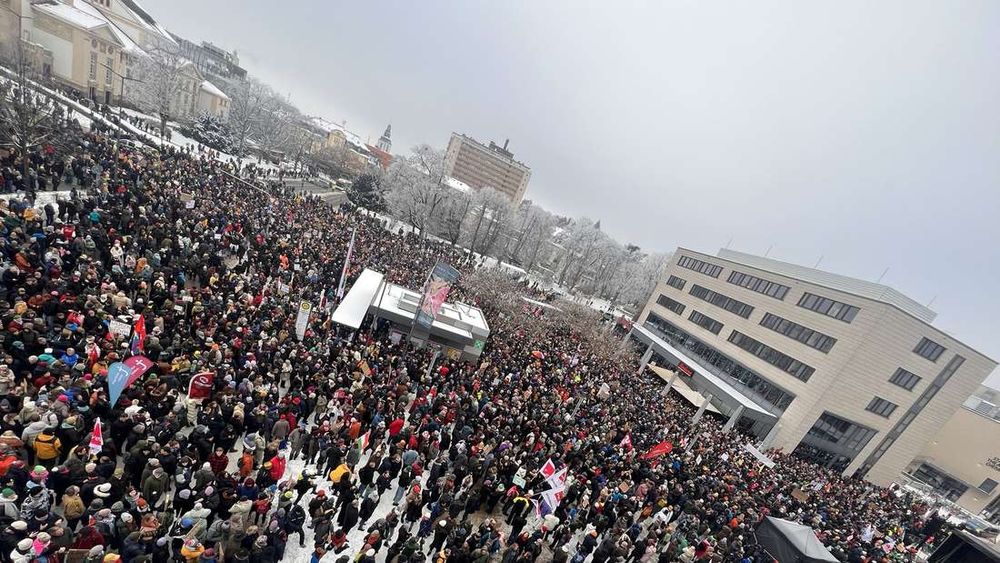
414 186
491 212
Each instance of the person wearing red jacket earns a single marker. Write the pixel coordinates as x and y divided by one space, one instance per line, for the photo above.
219 461
278 463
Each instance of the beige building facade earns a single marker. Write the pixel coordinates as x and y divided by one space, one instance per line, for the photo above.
847 373
962 462
479 166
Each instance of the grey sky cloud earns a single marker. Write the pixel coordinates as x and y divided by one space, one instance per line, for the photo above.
865 133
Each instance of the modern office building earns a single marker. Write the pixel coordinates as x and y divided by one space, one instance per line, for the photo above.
962 462
847 373
478 165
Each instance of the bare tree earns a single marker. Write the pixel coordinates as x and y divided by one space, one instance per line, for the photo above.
159 83
27 119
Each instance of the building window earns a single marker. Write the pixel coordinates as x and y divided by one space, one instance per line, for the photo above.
987 486
748 381
760 285
699 266
881 407
109 64
705 322
929 349
722 301
670 304
833 442
93 66
795 331
905 379
676 282
786 363
828 307
944 484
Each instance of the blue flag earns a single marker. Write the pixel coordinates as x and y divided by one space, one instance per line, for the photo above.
118 374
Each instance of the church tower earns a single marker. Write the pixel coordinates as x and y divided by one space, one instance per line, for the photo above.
385 141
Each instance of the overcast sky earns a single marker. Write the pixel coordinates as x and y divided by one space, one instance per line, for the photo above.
864 133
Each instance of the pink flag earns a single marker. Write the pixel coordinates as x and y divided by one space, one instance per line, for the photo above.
97 440
137 365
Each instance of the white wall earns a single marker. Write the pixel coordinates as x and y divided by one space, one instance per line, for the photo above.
62 52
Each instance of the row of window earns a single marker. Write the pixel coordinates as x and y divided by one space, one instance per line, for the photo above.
828 307
670 304
760 285
705 322
674 281
881 407
904 421
929 349
723 302
699 266
795 331
785 362
738 374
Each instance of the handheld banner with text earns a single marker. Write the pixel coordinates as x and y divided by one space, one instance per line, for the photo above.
137 365
302 322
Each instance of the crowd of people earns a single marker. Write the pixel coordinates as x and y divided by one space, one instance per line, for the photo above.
342 445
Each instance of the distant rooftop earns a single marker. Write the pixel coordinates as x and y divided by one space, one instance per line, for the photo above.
495 149
854 286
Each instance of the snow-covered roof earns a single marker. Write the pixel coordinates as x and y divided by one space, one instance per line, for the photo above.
457 184
91 11
72 15
329 127
213 90
143 18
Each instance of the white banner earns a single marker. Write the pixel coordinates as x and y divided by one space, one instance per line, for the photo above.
121 329
302 322
759 455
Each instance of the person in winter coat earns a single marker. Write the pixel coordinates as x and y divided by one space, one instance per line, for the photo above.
294 521
8 505
368 506
348 517
47 448
72 506
155 486
219 461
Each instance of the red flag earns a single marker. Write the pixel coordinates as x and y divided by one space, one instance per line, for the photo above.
138 336
548 470
97 440
201 385
662 448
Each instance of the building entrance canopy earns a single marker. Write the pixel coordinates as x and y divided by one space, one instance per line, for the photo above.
690 395
702 377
